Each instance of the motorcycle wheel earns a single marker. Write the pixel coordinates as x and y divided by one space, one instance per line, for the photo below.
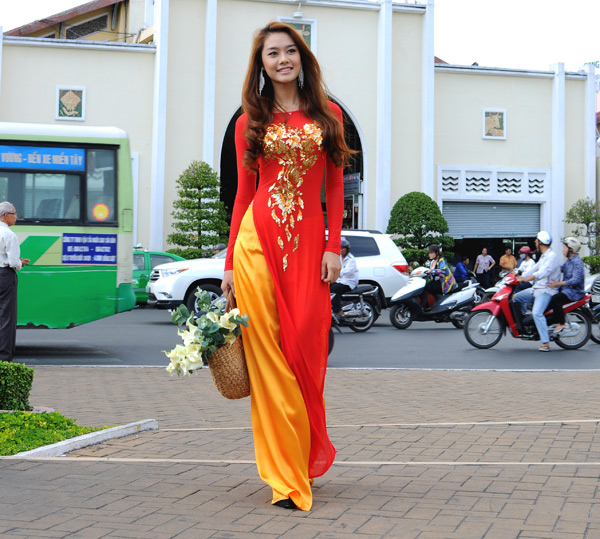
360 327
479 298
595 336
400 316
475 326
458 323
583 334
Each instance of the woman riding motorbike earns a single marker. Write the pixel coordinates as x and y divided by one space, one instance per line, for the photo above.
572 285
442 281
526 264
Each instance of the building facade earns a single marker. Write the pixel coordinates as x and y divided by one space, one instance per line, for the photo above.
503 152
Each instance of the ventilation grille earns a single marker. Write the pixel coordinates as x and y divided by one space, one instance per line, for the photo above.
450 184
510 185
88 27
478 185
536 185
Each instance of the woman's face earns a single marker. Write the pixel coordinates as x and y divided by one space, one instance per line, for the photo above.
281 58
431 255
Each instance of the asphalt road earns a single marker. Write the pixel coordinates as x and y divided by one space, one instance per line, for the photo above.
138 337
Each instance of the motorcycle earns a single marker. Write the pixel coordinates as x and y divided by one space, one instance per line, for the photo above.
489 292
405 305
361 307
488 321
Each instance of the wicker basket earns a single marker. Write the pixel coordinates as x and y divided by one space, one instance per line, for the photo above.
228 366
229 371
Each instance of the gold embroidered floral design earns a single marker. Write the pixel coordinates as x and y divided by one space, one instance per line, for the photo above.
297 149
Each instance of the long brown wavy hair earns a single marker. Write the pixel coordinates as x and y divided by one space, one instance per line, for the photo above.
259 108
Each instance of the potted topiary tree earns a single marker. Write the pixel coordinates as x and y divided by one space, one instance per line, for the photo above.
200 219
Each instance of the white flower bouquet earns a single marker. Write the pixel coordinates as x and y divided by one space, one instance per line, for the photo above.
205 334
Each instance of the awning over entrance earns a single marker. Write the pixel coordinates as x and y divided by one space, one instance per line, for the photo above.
491 219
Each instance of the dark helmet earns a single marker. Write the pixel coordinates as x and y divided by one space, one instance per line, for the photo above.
345 243
434 249
220 247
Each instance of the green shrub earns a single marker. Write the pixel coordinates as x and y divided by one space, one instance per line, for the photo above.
419 222
593 263
23 431
415 255
15 385
189 253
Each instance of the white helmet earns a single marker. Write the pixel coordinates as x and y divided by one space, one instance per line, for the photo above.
544 237
572 244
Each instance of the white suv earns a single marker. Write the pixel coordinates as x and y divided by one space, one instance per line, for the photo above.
378 259
174 283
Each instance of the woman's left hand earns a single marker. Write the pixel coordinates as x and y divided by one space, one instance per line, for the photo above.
331 266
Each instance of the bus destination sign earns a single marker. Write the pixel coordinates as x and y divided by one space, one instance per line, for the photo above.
40 158
89 249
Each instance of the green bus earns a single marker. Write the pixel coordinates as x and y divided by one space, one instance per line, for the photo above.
72 189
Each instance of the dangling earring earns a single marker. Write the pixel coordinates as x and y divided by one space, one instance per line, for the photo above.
261 81
301 78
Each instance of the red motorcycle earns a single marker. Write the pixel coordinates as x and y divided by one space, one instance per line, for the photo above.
488 321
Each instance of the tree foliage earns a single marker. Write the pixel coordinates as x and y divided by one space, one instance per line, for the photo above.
586 214
417 219
200 219
593 263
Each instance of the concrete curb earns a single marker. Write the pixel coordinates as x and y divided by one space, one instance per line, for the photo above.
60 448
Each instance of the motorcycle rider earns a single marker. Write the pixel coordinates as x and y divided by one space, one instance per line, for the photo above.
442 281
572 285
545 271
526 264
348 279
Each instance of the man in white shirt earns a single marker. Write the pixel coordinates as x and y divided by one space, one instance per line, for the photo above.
546 270
348 279
10 263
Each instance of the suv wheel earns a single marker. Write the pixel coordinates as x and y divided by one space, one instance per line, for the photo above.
191 299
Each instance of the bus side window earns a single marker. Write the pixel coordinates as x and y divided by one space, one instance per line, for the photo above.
49 208
73 208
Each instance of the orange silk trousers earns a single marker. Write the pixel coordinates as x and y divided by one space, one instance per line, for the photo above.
279 419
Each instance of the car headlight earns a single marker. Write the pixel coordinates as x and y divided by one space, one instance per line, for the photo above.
169 272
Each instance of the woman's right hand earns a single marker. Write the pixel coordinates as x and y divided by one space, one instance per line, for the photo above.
227 283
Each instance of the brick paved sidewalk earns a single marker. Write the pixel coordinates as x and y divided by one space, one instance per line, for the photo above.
421 454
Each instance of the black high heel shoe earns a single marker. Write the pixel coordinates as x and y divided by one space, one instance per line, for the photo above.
288 503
